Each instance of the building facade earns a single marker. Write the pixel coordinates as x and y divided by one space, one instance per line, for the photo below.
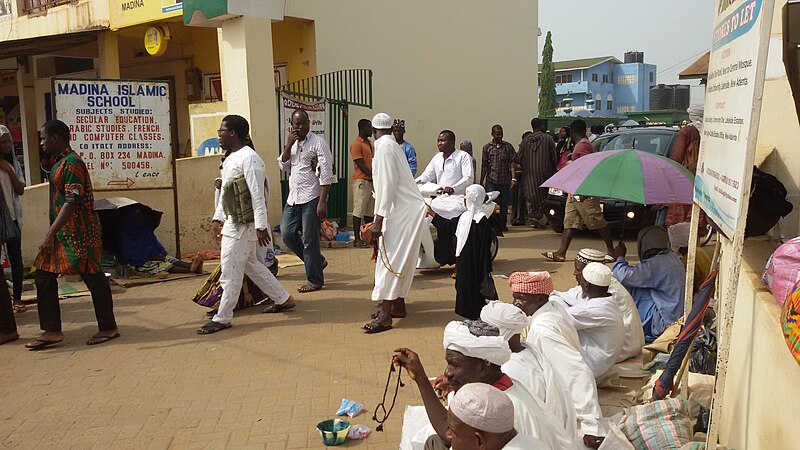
603 86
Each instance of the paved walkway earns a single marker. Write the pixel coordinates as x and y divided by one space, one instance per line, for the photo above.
265 383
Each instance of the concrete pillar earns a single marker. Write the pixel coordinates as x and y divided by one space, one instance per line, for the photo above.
248 83
108 53
30 126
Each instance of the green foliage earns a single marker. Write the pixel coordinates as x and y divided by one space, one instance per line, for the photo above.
547 80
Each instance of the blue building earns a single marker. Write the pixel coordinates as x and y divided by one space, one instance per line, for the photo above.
604 86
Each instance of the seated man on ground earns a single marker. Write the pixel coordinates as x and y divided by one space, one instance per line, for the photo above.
528 365
634 336
656 283
482 416
552 333
474 352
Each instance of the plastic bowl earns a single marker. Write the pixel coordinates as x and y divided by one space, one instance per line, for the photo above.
334 431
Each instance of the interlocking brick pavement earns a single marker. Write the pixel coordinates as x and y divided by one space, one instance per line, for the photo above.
264 383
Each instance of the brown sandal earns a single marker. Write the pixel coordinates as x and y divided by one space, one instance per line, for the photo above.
309 288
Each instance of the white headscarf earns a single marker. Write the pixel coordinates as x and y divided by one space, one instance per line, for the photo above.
483 407
696 116
475 195
509 319
4 130
494 349
679 235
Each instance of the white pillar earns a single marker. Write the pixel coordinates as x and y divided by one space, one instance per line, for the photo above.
246 62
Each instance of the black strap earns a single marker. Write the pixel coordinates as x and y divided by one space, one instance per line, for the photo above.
382 405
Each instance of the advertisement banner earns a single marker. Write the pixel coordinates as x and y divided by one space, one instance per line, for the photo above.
125 13
121 129
317 114
732 107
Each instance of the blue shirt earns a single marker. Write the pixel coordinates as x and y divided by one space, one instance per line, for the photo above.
411 156
662 277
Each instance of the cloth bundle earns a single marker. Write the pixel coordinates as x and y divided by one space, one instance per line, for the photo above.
237 202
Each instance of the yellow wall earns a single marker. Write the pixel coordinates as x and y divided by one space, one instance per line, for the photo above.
81 15
433 63
195 178
294 44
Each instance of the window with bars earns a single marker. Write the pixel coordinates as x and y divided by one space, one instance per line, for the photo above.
605 78
34 6
626 80
594 77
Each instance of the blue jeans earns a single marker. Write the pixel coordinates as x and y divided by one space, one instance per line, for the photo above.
503 200
300 231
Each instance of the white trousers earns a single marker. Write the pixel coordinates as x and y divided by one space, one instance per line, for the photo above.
239 258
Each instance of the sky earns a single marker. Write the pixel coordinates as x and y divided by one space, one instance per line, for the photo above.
672 33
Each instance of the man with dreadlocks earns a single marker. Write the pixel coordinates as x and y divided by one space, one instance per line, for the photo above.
474 352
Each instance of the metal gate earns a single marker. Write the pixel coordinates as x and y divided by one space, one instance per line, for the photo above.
340 90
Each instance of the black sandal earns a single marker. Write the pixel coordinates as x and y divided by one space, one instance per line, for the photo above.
213 327
274 308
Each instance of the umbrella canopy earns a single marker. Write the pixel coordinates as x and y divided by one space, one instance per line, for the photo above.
630 175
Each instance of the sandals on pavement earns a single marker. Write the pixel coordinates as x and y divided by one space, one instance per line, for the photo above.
101 338
394 315
19 307
375 327
40 343
309 288
552 257
275 308
213 327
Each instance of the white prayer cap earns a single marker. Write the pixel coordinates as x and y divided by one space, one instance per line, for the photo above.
494 349
679 235
590 255
509 319
483 407
382 121
597 274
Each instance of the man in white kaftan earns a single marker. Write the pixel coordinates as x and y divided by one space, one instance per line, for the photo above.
552 332
632 324
399 222
451 169
239 240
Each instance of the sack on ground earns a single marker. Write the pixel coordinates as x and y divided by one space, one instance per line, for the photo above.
664 424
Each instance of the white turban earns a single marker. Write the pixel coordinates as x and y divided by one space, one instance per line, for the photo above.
597 274
483 407
696 116
509 319
474 195
679 235
494 349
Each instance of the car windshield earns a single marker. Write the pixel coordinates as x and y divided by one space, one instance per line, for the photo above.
659 143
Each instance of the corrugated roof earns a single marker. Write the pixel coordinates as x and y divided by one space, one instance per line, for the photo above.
698 69
584 63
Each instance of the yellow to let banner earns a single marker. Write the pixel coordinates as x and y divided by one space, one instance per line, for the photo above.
126 13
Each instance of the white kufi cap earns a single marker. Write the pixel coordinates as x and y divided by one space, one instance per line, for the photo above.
382 121
597 274
483 407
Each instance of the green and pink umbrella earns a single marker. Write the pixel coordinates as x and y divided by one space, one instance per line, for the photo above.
629 175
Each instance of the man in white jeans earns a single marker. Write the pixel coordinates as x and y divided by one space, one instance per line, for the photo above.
242 230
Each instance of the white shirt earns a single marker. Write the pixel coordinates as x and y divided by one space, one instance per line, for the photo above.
532 419
455 172
306 155
525 442
244 161
600 329
632 323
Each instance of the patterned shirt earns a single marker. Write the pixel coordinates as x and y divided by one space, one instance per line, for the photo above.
498 160
77 247
307 156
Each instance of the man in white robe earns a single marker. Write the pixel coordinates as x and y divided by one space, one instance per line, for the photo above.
474 352
451 169
529 367
552 332
634 335
239 240
398 227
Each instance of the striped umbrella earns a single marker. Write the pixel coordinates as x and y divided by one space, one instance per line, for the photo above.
629 175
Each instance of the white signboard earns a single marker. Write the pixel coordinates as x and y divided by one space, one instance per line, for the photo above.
317 114
121 129
732 106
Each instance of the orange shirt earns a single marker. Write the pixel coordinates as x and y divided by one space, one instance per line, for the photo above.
361 149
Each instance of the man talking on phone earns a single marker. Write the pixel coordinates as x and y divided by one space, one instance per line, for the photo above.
307 204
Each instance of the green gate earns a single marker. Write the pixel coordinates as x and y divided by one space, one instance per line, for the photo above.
340 90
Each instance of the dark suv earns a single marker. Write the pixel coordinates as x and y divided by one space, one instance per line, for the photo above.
658 140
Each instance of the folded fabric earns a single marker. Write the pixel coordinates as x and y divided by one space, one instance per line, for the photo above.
237 202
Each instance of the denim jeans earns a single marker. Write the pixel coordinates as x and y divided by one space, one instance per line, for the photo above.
503 200
14 248
300 227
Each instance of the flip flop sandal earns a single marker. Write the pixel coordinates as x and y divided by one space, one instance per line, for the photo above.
308 288
275 308
376 327
101 339
552 257
19 307
39 344
213 327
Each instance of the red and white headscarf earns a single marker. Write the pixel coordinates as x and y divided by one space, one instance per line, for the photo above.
531 283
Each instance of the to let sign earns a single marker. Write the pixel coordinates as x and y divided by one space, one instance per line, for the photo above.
121 129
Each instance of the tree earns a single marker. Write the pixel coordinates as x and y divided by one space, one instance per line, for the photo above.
547 80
